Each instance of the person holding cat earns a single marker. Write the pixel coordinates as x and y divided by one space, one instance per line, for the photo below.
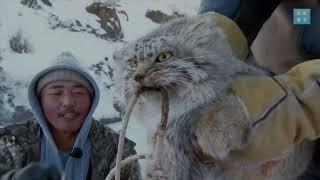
284 107
276 42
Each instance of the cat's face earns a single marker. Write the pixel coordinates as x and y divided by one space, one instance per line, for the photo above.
156 63
187 56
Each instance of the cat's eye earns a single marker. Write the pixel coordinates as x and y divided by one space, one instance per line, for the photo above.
133 63
164 56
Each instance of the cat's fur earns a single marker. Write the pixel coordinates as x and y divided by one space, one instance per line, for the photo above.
197 78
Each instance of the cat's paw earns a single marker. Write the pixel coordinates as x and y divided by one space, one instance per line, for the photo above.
157 174
154 169
222 127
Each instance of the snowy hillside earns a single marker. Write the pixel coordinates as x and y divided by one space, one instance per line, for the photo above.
33 32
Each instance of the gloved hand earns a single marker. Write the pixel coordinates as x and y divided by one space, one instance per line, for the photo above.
35 171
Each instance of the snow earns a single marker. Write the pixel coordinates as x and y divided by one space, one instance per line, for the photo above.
48 43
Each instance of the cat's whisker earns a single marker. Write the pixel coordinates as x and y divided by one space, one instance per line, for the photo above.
181 83
183 77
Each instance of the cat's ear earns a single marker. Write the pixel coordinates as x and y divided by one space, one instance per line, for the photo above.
217 32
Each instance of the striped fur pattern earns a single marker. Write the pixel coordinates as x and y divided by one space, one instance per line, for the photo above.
190 57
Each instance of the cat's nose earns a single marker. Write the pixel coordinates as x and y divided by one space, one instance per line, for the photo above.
138 77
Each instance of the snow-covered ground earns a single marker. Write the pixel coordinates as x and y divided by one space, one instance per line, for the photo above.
46 43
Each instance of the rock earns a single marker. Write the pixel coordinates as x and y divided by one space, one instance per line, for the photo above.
31 4
53 21
109 20
160 17
98 68
107 121
73 26
6 95
105 72
117 107
4 114
124 13
110 72
78 23
5 103
10 88
20 114
47 2
19 44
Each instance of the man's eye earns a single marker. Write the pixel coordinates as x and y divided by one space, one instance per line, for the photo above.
55 93
81 92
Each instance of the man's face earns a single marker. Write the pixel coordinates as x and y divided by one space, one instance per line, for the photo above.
65 105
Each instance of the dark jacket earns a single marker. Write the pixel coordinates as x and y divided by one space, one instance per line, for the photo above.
20 145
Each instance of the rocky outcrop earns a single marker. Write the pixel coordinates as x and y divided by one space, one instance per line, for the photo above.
104 72
160 17
10 89
117 107
109 20
20 44
108 14
31 4
20 114
73 26
107 121
47 2
6 97
34 3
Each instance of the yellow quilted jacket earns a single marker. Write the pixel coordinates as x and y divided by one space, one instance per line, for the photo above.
285 110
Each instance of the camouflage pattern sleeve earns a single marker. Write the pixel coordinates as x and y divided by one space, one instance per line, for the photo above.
8 175
131 171
10 156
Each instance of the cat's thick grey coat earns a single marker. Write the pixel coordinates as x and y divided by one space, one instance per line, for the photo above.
192 58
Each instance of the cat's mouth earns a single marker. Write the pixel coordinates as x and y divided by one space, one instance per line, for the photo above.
144 89
148 90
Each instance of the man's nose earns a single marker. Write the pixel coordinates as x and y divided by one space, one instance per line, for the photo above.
68 101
